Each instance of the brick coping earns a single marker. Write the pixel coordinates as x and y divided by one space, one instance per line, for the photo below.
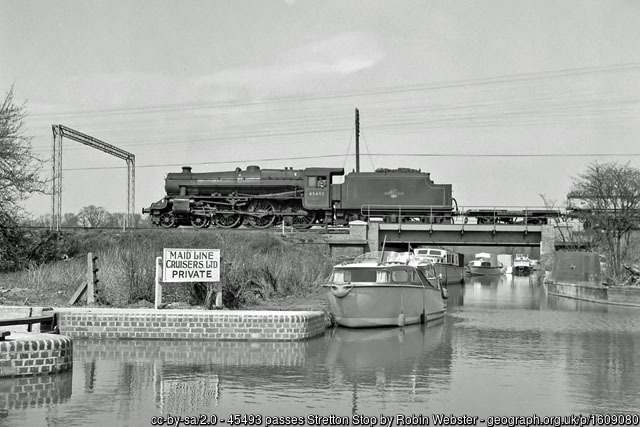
261 313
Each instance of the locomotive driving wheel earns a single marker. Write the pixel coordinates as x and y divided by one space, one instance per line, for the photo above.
199 221
265 214
167 220
301 222
228 220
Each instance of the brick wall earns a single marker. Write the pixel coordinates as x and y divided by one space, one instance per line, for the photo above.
98 323
32 353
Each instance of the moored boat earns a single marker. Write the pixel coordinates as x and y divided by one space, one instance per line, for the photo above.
449 265
507 262
382 289
522 265
485 264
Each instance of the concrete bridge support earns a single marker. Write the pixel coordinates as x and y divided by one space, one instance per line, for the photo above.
547 246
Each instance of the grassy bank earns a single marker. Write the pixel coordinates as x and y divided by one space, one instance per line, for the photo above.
257 269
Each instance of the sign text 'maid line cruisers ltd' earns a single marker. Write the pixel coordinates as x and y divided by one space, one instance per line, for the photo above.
190 265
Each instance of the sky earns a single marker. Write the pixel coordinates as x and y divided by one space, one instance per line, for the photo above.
507 100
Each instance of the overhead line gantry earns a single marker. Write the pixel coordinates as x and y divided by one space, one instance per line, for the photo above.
60 131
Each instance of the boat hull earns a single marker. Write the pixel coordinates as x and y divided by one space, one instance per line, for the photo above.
485 271
451 274
372 305
521 270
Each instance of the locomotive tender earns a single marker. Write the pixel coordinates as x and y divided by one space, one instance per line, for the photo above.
261 198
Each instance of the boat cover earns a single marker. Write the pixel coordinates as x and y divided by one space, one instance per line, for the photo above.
576 267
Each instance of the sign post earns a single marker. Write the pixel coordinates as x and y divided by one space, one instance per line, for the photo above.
187 265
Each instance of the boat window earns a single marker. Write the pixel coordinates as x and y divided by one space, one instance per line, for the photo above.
430 281
428 271
382 276
355 275
414 278
398 276
339 276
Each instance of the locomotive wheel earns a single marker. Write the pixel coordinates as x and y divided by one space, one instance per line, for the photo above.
302 222
198 221
230 220
267 214
167 220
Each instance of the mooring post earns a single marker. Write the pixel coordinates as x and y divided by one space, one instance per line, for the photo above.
158 295
92 278
219 295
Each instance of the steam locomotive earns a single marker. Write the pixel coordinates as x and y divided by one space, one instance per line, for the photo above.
262 198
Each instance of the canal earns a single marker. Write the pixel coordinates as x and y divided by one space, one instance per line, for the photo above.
505 348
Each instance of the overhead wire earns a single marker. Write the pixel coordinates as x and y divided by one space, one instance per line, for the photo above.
327 156
396 89
413 115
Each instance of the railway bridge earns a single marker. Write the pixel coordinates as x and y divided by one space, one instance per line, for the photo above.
371 236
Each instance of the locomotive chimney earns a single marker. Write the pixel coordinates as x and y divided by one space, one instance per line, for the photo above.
186 169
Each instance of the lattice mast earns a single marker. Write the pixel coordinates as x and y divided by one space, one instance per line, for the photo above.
60 131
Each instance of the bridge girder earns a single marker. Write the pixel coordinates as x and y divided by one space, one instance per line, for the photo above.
460 235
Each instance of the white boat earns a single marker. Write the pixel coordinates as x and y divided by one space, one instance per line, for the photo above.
522 265
507 262
382 289
485 264
449 265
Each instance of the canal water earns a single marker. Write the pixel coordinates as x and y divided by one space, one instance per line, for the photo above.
505 348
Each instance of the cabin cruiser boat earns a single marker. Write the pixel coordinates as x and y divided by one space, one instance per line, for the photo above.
485 264
383 289
449 265
522 265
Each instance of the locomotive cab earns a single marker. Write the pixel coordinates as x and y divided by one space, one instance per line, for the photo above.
318 186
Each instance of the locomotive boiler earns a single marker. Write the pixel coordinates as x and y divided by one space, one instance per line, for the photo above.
261 198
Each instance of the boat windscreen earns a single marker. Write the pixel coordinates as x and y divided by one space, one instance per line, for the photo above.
428 271
356 275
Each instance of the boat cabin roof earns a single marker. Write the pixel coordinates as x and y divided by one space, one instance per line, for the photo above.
429 251
383 257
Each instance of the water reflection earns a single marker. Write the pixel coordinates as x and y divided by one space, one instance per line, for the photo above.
373 363
34 391
505 347
456 295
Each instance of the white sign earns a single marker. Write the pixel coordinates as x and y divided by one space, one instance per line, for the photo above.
190 265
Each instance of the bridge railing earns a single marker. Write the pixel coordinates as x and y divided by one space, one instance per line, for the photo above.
516 215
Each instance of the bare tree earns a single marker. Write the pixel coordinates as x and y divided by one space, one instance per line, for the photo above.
19 178
610 204
19 168
570 231
93 216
